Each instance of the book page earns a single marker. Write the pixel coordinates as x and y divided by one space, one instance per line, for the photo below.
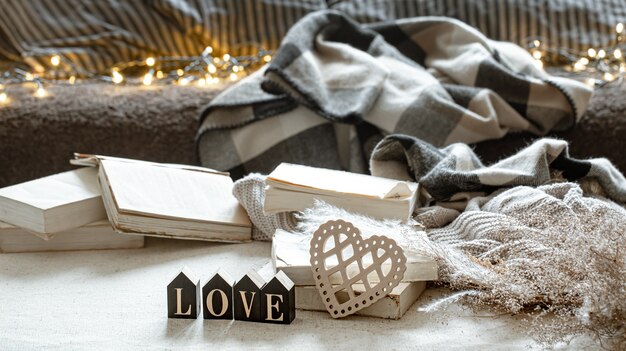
173 192
341 182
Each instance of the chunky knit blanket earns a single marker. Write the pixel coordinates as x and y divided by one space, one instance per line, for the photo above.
433 78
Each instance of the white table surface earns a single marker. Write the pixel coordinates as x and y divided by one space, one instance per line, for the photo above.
117 300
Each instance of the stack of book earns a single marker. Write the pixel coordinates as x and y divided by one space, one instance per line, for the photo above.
290 254
295 188
114 203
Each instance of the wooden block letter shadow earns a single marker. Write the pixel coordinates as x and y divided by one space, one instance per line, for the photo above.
217 295
247 297
279 300
183 296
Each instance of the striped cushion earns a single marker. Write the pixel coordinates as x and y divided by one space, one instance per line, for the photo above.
572 24
95 34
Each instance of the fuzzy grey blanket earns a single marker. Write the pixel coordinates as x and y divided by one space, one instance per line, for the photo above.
433 78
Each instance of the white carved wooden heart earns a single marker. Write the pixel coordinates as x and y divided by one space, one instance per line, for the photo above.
338 250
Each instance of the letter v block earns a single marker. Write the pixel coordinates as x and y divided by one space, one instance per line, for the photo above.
217 295
183 296
279 300
247 297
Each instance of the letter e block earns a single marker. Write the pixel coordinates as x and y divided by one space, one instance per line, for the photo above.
279 300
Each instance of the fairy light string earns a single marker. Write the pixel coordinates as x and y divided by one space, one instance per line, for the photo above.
603 65
202 70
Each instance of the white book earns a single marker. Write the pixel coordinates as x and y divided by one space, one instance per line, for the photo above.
173 201
290 253
94 236
295 187
392 306
55 203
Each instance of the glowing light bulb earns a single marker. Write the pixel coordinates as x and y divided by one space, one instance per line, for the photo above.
116 77
619 28
537 54
4 98
267 58
150 61
539 64
591 52
536 43
29 76
235 69
590 82
233 77
201 82
55 60
211 68
226 57
147 78
159 75
584 61
180 72
72 80
41 92
183 81
601 53
617 53
579 66
215 80
208 50
608 76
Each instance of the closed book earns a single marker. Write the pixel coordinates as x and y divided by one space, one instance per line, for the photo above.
295 187
290 253
94 236
392 306
55 203
172 201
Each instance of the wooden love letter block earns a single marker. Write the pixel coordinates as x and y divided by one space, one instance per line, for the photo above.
247 297
338 250
183 296
217 295
279 300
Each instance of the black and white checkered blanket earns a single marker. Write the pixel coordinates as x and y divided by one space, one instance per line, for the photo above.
455 173
335 88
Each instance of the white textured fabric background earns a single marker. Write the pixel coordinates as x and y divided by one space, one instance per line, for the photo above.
116 299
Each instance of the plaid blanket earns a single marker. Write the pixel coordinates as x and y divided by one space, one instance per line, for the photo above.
456 173
335 88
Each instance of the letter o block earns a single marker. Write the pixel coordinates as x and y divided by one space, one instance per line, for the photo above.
217 295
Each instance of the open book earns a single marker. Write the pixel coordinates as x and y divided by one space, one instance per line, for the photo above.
290 253
174 201
294 188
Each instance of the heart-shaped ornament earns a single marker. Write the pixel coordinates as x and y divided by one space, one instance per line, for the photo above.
340 255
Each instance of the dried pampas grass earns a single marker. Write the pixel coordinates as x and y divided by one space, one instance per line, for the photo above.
549 253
